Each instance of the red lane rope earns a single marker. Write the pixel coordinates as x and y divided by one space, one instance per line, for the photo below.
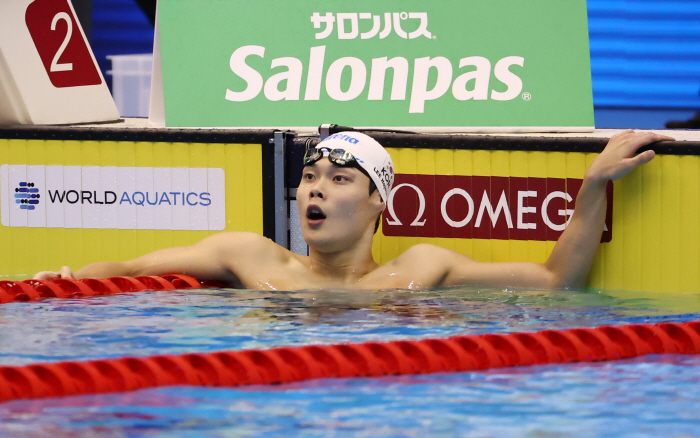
31 290
369 359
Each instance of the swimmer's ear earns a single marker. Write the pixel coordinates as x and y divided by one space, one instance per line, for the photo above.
375 200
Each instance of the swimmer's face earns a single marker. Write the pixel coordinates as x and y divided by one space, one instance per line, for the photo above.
335 208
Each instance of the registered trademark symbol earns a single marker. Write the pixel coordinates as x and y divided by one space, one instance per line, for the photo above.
434 37
527 96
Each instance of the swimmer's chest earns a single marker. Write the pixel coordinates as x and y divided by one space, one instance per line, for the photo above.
381 278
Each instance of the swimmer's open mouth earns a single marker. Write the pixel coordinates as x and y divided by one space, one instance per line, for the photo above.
314 213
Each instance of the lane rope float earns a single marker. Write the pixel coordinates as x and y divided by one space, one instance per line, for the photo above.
32 290
369 359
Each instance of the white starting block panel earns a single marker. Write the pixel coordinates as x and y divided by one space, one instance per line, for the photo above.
48 74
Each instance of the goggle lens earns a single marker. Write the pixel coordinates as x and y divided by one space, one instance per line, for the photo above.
312 155
341 157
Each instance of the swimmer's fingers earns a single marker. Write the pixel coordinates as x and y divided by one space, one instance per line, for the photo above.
644 138
661 137
46 275
631 146
66 272
620 155
629 164
628 142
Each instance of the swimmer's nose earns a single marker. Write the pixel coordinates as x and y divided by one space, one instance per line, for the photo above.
316 193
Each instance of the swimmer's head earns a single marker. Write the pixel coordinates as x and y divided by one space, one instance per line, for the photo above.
357 150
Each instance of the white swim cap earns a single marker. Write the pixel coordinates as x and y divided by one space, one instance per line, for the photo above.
369 154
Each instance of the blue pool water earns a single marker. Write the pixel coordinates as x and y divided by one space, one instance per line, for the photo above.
650 396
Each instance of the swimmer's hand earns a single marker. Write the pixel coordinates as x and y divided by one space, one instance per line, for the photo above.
618 158
65 272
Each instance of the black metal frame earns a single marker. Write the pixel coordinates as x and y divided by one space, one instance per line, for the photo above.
519 143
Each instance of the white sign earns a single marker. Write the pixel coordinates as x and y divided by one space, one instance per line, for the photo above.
110 197
48 73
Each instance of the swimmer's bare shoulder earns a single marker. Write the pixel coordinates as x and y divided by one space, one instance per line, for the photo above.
254 260
434 266
422 265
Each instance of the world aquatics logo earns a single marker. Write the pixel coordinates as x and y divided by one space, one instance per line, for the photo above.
27 196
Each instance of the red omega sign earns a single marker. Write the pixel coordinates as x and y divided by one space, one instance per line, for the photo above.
483 207
61 46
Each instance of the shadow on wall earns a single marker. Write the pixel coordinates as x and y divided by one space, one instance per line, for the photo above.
149 8
692 123
646 118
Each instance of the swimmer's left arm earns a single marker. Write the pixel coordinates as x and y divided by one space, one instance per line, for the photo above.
572 257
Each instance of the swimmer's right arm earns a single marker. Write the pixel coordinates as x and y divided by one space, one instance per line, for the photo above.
212 258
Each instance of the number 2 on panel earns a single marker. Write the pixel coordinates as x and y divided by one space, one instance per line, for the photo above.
66 66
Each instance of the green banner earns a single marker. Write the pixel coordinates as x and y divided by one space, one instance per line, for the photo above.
409 63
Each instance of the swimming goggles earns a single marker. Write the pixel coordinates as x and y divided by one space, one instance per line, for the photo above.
341 157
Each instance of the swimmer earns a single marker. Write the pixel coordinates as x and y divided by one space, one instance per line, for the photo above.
343 191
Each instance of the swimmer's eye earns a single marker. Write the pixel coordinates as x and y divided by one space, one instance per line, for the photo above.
308 176
341 178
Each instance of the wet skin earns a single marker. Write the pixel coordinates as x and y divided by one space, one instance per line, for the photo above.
338 215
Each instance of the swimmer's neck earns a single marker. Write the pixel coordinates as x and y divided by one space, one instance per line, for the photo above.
344 266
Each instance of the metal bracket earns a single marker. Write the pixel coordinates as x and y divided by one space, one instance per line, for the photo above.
281 216
325 130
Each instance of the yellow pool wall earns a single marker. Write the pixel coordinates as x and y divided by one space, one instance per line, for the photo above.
655 243
29 250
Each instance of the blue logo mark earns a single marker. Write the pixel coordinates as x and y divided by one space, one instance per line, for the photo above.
345 137
27 196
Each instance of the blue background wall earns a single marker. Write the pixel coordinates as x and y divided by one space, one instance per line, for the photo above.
645 55
645 61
